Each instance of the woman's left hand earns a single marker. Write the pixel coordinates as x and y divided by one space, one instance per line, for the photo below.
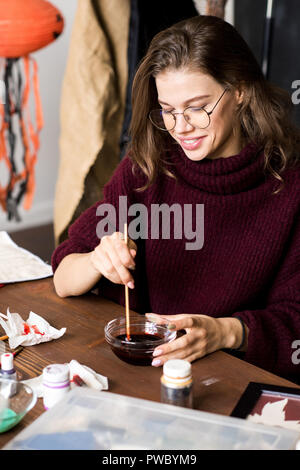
204 335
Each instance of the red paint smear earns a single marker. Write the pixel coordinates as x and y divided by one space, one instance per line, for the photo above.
26 329
33 327
77 380
36 330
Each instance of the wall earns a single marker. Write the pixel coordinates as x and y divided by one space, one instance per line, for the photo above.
51 62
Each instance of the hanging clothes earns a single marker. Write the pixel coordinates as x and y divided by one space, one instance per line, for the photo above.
92 106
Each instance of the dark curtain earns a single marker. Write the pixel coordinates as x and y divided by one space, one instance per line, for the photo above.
284 66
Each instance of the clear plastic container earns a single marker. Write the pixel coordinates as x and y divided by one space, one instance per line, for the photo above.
87 419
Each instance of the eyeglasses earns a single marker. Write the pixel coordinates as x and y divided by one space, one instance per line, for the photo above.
196 117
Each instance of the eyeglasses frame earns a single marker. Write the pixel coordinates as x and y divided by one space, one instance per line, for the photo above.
174 115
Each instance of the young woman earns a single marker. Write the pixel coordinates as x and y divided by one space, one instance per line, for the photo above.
213 146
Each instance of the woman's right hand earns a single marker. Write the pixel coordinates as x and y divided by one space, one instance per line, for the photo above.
114 259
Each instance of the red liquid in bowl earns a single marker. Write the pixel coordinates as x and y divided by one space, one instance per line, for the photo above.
144 345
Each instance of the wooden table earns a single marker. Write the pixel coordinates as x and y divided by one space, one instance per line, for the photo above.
219 379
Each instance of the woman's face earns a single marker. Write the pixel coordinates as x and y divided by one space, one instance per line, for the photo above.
182 88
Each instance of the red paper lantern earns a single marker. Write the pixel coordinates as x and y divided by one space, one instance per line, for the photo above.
25 26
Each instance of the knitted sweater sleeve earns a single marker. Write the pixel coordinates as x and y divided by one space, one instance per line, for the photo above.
274 332
81 237
82 234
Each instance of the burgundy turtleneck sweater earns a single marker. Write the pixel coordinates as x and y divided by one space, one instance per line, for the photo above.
248 266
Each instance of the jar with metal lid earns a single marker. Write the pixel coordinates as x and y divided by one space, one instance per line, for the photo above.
176 383
56 383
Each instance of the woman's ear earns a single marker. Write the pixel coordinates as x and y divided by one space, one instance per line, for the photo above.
239 95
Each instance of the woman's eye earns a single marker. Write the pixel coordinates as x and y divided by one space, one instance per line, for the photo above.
166 111
197 109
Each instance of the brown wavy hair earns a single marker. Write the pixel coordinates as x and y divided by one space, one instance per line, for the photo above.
214 47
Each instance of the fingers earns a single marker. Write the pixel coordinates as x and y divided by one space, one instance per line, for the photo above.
179 354
158 362
176 322
121 260
190 346
102 263
132 246
113 258
160 320
203 336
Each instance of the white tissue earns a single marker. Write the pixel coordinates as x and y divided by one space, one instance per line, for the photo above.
91 379
33 331
18 264
89 376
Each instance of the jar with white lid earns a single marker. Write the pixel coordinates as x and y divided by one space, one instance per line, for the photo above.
56 383
8 373
176 383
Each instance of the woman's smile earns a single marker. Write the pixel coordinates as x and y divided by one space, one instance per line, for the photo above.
191 143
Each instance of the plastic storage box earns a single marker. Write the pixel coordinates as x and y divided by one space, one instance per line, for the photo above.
90 420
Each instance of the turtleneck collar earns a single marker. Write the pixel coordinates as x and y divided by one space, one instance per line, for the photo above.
229 175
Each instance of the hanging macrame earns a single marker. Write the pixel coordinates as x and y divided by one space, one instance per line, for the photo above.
25 26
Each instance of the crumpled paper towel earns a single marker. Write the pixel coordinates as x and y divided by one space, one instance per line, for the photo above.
18 264
34 331
89 376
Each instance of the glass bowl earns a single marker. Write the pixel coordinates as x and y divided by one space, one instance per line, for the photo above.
145 336
16 399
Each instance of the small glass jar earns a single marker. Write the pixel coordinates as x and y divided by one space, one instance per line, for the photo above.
8 372
176 383
56 383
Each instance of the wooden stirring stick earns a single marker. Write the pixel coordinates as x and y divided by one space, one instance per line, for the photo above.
127 294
